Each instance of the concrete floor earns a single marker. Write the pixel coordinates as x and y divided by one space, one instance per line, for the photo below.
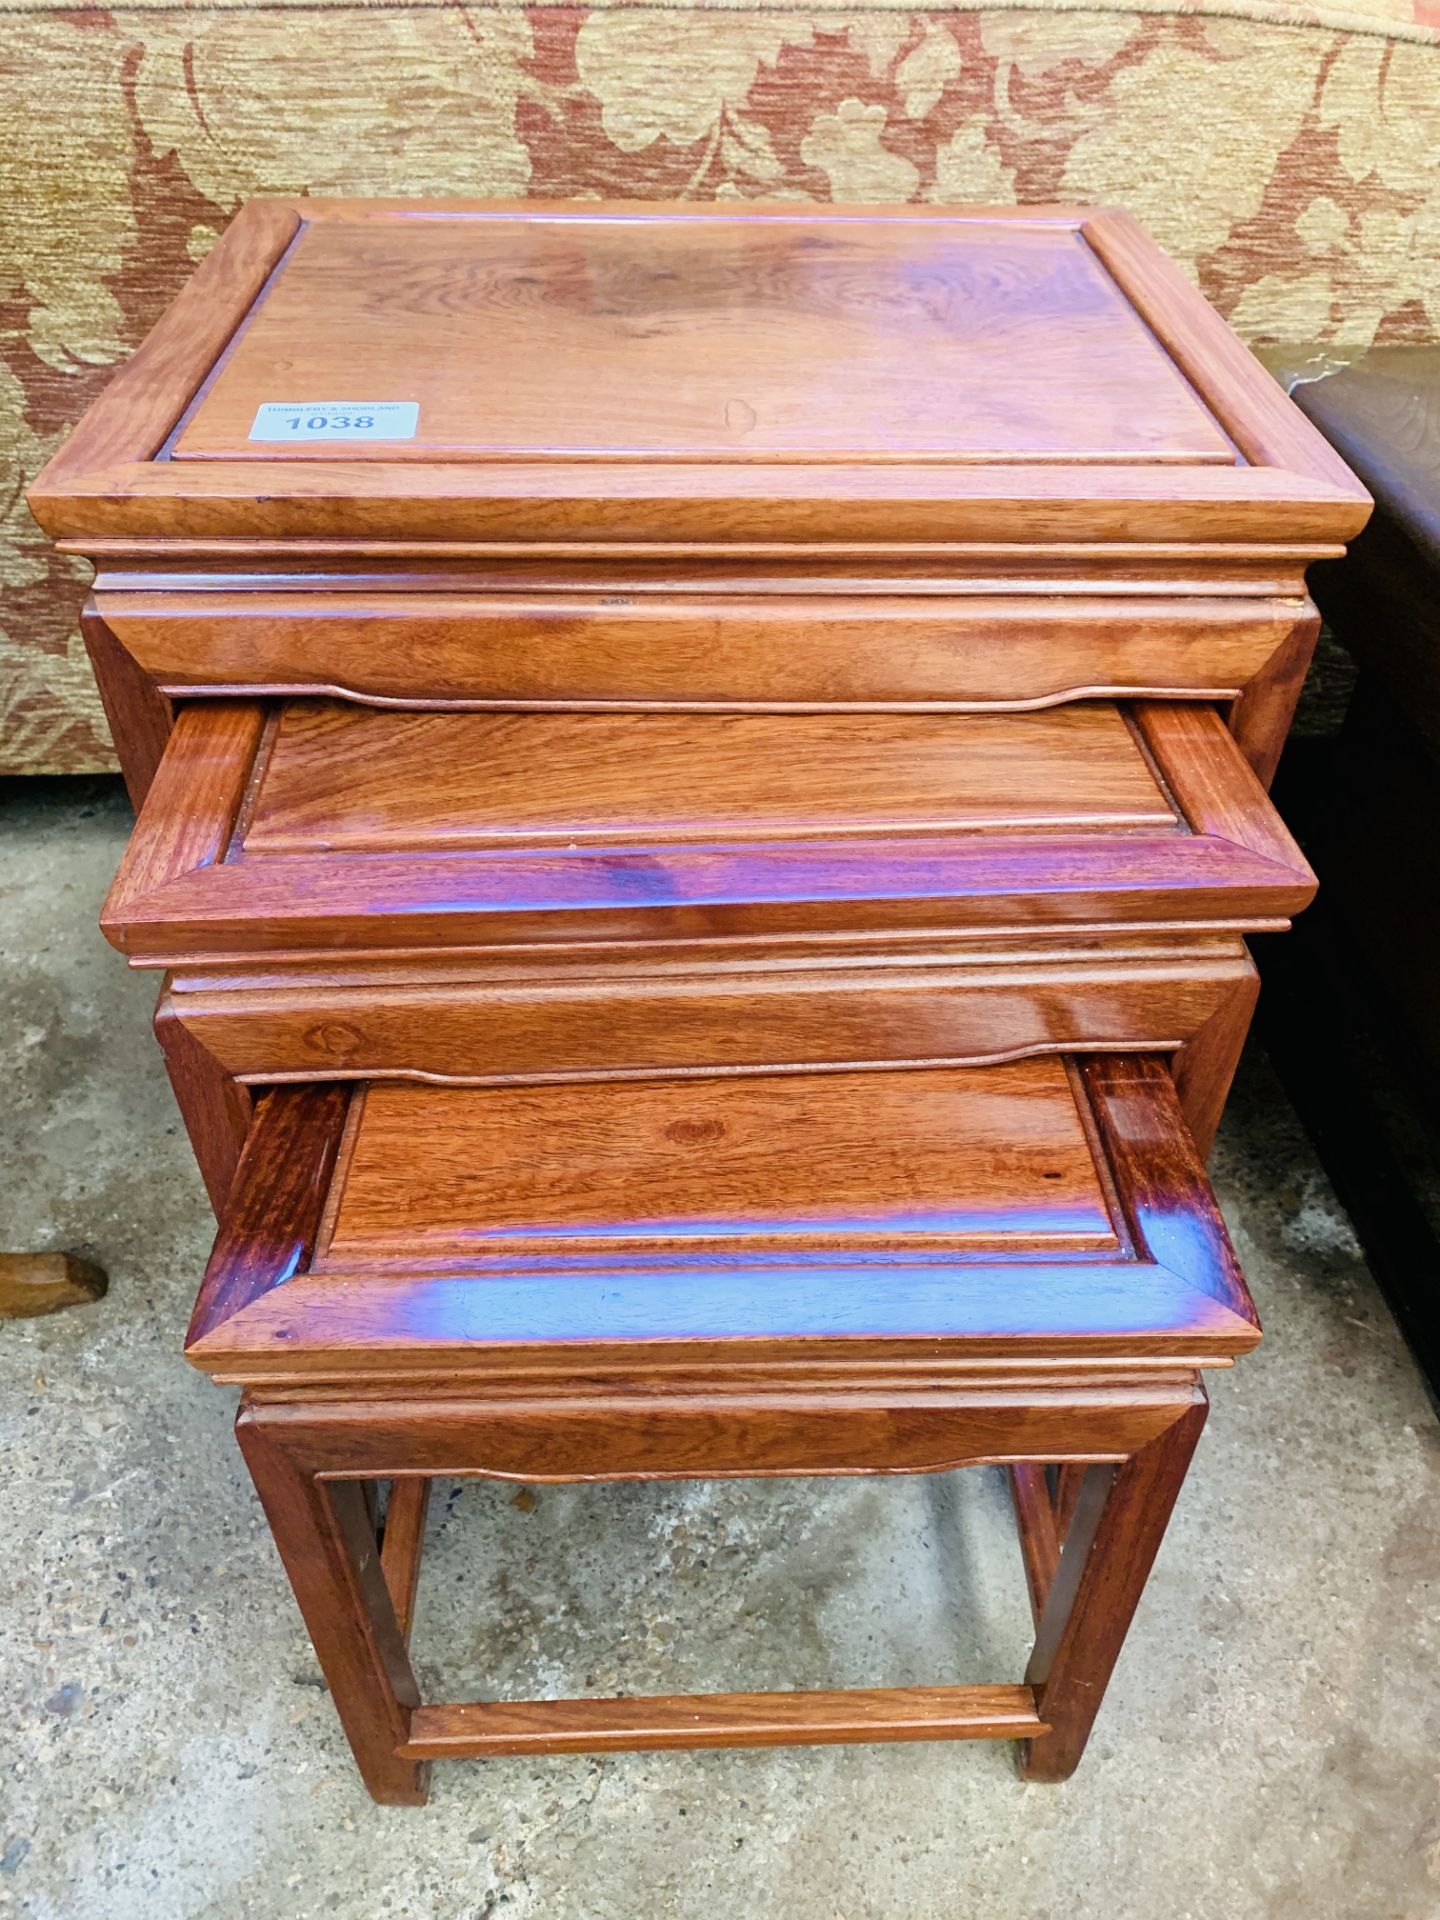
1269 1746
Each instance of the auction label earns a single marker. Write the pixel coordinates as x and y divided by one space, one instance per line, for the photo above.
337 420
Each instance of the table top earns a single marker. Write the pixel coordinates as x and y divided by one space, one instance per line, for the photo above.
963 1158
350 779
321 825
1038 1209
436 371
591 337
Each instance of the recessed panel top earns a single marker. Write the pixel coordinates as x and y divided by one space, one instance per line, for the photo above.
468 337
343 778
1038 1210
953 1158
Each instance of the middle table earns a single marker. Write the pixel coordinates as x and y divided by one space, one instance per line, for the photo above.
337 890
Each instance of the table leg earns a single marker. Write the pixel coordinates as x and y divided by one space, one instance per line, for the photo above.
1118 1524
323 1530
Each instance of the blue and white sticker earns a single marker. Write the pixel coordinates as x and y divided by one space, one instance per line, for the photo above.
337 420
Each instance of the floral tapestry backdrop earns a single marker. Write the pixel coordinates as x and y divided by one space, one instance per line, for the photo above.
1294 170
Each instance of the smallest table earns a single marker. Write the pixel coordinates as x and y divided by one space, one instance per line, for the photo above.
855 1272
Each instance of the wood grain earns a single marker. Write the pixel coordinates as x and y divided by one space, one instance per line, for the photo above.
216 1107
704 716
851 1216
567 336
949 336
977 1158
344 779
1232 863
684 636
1217 791
328 1545
1113 1539
314 1460
1260 718
801 890
1069 1485
633 1423
1205 1066
139 716
1036 1525
138 409
273 1214
707 1012
1266 426
478 1729
1159 1178
1105 565
194 799
402 1546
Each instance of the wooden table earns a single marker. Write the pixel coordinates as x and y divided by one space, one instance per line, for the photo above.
699 843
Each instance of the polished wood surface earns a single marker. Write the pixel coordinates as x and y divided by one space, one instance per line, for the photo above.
652 1419
216 1104
479 1728
614 1401
136 711
347 779
738 576
797 644
682 640
929 443
705 1009
1214 787
1260 718
132 419
1024 1210
1114 1536
839 1160
297 1452
195 793
191 884
273 1211
824 948
1069 1482
402 1546
574 335
326 1538
1152 1159
1205 1065
1035 1524
1104 566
